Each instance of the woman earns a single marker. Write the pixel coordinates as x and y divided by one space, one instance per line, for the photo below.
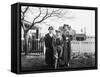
67 44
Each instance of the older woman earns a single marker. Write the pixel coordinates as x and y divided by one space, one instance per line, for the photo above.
67 45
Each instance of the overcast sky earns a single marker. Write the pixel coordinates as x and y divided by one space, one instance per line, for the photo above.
77 19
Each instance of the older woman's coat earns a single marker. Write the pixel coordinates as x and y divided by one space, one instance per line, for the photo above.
67 47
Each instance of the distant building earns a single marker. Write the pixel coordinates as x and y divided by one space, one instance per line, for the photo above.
79 37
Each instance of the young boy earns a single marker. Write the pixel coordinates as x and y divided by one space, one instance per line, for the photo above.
58 47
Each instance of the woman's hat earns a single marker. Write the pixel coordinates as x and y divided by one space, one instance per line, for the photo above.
50 28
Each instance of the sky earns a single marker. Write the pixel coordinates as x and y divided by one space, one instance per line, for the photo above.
76 18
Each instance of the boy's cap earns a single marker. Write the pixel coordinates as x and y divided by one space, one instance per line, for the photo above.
50 28
58 31
66 25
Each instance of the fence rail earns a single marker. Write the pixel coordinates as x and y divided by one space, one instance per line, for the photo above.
37 46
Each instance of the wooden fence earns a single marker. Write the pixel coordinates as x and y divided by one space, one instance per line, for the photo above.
37 46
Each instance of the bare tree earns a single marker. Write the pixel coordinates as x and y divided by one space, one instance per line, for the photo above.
43 16
24 28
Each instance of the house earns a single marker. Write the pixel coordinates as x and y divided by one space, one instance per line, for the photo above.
79 37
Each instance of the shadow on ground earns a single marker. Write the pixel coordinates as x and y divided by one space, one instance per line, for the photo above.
37 62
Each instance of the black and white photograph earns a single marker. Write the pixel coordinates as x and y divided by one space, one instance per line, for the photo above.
57 38
49 38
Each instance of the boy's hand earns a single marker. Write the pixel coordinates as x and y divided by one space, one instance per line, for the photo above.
56 56
67 38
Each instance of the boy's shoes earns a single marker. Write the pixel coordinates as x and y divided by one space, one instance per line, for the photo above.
66 65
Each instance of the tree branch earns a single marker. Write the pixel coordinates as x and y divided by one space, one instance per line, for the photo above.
26 10
46 16
43 17
37 15
56 13
23 12
46 23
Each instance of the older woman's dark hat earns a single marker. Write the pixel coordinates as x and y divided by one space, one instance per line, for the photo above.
50 28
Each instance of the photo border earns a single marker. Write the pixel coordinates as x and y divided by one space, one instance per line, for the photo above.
55 6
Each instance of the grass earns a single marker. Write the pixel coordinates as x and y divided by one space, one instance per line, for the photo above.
37 62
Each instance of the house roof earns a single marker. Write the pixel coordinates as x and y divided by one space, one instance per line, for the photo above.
80 35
